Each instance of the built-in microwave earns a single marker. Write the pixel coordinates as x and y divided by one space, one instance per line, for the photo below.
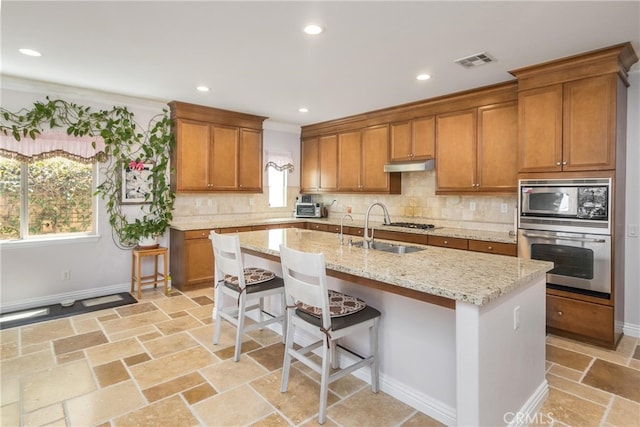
570 205
308 210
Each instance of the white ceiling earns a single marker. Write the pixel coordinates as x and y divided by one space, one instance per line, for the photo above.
256 59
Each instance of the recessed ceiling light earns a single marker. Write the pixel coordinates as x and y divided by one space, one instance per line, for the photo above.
303 109
423 77
313 29
29 52
202 89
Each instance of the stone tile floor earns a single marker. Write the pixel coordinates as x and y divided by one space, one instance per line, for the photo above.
153 364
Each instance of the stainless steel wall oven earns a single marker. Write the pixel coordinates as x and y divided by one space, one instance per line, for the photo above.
567 221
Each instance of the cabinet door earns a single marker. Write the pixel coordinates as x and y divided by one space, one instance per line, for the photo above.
250 160
423 134
455 147
540 125
198 257
310 169
349 161
589 124
375 153
224 166
401 144
193 154
328 153
497 148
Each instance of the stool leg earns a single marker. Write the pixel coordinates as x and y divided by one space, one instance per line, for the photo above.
133 269
375 366
166 272
139 273
155 271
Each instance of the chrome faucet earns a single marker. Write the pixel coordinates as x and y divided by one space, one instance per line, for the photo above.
368 241
341 234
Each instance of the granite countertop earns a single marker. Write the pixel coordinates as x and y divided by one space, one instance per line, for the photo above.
472 277
491 236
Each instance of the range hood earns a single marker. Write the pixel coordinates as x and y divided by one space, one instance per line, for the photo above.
411 166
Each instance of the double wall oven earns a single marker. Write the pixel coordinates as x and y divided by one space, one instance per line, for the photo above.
568 222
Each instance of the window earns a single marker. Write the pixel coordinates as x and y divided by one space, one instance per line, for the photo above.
46 193
277 167
277 188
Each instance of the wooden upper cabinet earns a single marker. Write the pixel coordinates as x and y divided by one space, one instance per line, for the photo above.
310 165
250 160
216 150
192 156
413 139
350 161
569 126
589 120
477 149
455 151
540 129
375 153
319 171
497 148
224 162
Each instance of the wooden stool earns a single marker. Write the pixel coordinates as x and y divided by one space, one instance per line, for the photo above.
136 268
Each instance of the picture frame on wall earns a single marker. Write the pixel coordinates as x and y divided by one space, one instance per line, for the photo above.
137 182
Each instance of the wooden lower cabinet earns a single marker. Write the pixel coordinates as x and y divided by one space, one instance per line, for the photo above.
581 320
191 258
509 249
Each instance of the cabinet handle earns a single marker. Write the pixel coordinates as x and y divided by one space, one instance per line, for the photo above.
564 163
558 163
560 313
446 242
490 248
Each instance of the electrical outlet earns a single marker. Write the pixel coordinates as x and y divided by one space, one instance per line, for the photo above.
66 275
251 201
504 208
472 206
516 318
632 230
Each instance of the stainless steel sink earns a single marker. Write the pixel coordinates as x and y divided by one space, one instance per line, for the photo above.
392 248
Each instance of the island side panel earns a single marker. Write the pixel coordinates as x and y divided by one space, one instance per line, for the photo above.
500 364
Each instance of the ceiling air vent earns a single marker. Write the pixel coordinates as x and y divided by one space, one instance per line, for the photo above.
475 60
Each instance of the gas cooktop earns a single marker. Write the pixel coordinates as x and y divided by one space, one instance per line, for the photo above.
411 225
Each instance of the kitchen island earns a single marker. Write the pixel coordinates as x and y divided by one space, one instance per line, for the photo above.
462 335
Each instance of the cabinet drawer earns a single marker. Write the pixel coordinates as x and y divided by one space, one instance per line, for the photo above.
354 231
448 242
493 247
235 229
580 317
333 228
317 227
197 234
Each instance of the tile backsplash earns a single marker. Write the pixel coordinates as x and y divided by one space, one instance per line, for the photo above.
418 203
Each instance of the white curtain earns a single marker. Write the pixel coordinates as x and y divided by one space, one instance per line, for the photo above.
53 144
279 161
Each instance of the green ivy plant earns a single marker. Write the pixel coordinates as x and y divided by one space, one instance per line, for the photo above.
123 143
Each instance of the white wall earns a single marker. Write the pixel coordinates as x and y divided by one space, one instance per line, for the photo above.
632 250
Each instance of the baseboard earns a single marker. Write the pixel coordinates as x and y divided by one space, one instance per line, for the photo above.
55 299
528 414
414 398
631 330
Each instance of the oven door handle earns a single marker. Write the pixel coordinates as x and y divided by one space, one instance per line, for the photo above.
574 239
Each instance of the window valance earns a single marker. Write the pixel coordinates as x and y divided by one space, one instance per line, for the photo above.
53 144
279 161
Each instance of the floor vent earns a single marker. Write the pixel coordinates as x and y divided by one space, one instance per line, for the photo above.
475 60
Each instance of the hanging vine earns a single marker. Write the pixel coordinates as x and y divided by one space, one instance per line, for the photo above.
124 144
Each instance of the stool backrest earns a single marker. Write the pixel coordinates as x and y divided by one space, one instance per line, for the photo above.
227 257
305 280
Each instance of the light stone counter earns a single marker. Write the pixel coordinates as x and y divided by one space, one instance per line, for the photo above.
472 277
491 236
